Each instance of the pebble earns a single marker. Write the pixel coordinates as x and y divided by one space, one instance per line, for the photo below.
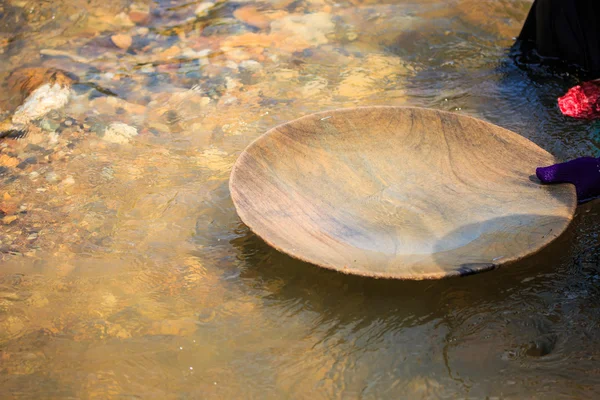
139 17
49 124
252 16
203 8
68 181
230 83
123 20
251 65
42 100
108 173
26 162
182 327
9 219
51 177
122 41
119 133
142 31
312 28
110 105
7 161
169 53
7 207
231 64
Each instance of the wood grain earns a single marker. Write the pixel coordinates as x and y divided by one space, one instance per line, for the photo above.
399 192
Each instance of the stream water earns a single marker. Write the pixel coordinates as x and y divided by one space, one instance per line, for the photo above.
126 272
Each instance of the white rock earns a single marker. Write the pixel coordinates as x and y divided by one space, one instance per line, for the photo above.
119 133
313 28
123 19
51 177
203 8
193 54
231 64
41 101
251 65
230 83
68 181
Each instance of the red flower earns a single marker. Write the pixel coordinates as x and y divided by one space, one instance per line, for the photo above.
582 101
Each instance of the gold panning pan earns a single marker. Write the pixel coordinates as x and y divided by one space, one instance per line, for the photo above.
399 192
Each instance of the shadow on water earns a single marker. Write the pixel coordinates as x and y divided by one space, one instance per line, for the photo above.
504 237
534 313
406 302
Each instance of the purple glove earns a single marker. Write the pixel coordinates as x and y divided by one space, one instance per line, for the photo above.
582 172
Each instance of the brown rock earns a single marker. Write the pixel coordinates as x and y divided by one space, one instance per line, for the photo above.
169 53
122 41
111 105
139 17
116 330
260 19
8 161
251 16
247 40
8 208
22 82
181 327
9 219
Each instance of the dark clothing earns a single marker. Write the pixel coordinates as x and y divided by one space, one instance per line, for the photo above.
567 30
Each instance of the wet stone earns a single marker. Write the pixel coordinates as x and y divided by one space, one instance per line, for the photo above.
183 327
227 27
119 133
122 41
49 125
26 162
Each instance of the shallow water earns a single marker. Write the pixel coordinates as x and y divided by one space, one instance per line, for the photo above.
127 274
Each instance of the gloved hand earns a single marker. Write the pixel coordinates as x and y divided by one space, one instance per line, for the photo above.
582 172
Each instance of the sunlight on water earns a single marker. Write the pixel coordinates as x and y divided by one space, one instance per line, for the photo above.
126 272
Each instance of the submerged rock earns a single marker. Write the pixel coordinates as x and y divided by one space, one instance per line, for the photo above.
203 8
39 91
288 34
312 28
44 99
261 19
119 133
122 41
251 16
179 327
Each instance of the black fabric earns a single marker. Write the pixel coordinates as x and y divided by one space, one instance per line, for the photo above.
567 30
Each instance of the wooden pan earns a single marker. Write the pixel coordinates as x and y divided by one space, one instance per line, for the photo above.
399 192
